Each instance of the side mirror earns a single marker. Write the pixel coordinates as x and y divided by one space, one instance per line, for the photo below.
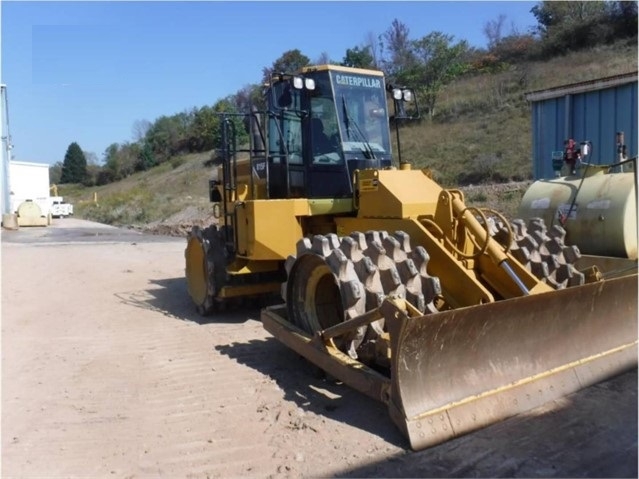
285 99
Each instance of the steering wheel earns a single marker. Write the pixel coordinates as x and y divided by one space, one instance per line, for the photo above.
333 140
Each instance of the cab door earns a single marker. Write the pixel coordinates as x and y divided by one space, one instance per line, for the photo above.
287 176
328 177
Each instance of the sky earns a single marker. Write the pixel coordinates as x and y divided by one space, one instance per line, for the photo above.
88 72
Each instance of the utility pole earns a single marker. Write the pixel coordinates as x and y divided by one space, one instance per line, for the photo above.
5 149
5 141
9 219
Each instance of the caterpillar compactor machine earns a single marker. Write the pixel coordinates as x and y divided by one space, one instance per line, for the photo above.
391 283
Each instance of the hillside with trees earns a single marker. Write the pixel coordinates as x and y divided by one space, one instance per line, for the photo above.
475 125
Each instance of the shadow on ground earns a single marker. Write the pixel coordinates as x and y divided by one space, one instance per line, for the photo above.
309 389
592 433
170 298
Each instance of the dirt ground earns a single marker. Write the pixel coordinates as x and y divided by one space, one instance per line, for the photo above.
107 371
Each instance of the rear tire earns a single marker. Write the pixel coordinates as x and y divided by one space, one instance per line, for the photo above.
206 260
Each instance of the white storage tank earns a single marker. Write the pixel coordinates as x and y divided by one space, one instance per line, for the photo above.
598 212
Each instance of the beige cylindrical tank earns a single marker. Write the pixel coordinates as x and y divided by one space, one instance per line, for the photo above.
30 214
600 220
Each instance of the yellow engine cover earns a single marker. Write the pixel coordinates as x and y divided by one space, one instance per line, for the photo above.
396 193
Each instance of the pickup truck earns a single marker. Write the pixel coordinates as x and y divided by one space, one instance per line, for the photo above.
60 209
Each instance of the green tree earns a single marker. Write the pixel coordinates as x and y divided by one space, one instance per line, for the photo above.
145 159
398 54
226 105
358 58
74 166
55 173
246 98
168 136
439 61
112 162
291 61
624 18
515 48
129 156
565 26
551 14
120 160
93 168
248 95
202 129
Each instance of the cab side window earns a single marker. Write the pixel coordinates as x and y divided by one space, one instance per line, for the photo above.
285 129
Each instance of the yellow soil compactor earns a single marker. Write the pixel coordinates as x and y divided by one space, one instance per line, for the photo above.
447 313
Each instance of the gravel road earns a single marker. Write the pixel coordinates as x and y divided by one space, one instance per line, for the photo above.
107 371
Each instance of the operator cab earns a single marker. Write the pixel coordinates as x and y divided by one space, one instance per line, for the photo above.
324 124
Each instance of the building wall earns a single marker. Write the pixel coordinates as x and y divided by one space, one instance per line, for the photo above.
28 181
593 111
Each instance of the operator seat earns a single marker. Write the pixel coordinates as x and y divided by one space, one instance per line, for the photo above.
321 143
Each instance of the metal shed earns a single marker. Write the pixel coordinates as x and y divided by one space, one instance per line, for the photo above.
588 111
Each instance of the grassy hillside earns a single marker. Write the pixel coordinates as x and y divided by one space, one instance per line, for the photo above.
481 134
179 186
483 124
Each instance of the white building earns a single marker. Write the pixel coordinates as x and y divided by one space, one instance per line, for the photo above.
29 181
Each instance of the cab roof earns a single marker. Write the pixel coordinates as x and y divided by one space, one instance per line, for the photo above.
339 68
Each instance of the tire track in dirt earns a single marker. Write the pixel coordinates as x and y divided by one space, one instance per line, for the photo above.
193 392
111 381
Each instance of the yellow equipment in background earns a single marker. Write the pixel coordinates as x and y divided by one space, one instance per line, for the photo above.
392 283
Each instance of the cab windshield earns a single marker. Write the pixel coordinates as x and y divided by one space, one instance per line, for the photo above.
361 109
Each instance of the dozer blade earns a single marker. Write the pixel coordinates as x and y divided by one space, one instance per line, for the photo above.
460 370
